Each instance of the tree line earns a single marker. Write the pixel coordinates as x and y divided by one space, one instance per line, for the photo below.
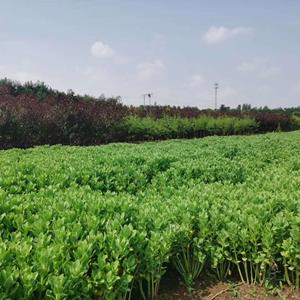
35 114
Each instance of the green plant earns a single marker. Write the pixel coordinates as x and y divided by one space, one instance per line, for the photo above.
106 222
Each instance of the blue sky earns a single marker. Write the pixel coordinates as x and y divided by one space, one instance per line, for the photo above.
175 49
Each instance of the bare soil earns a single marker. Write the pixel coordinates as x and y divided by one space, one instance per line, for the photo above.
210 289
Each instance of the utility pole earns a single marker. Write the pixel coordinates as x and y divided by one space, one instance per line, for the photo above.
149 95
216 95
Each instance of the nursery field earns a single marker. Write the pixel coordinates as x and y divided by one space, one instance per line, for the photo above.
109 222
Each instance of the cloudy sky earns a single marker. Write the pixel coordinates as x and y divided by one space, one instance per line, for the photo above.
176 49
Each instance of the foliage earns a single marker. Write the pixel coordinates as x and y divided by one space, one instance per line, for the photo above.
35 114
106 222
296 122
26 121
174 127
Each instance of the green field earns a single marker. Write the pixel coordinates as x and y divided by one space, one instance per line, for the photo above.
106 222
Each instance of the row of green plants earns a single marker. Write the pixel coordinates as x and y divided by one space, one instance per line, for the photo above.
172 127
108 222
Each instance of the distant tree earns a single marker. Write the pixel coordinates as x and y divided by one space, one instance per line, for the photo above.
246 107
224 108
70 92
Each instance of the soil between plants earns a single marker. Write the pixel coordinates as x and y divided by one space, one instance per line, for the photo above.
207 288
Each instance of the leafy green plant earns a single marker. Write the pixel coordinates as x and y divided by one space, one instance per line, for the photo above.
106 222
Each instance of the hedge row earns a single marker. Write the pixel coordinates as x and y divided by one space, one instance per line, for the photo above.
33 114
173 127
26 121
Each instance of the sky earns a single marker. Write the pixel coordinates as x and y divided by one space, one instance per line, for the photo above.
175 49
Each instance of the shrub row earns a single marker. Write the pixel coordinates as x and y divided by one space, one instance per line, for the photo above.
26 121
174 127
34 114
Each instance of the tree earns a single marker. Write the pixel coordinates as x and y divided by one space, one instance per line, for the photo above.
224 108
246 107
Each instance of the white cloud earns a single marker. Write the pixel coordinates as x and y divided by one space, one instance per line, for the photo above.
196 80
147 70
220 34
101 50
259 66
